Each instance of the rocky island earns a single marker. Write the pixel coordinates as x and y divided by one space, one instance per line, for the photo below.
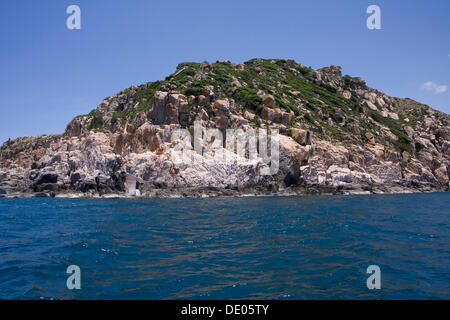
337 136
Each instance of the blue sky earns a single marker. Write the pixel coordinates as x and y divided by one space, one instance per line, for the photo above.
50 74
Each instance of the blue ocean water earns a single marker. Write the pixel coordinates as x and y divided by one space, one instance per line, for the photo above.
309 247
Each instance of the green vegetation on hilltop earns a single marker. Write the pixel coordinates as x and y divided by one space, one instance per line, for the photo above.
318 105
248 98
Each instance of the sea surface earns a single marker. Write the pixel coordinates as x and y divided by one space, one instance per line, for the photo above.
303 247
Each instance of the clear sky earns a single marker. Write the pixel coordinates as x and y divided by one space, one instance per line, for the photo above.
49 74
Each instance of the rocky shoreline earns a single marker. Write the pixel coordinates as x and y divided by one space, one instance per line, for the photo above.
336 136
209 193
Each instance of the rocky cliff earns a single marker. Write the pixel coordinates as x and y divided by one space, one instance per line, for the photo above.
337 136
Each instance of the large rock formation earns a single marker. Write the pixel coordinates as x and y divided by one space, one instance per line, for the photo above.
337 136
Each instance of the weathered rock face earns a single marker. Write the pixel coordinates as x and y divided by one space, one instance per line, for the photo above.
268 101
365 142
302 137
160 112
